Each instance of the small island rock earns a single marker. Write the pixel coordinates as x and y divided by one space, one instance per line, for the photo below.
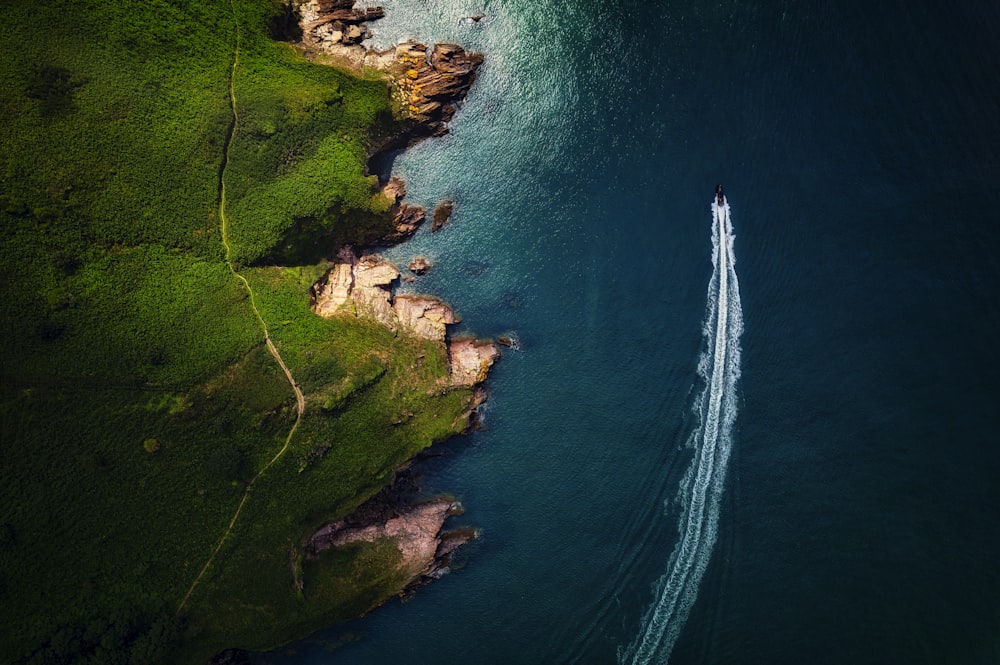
441 214
420 265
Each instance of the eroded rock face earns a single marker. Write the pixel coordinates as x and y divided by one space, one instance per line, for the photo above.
437 82
360 286
373 271
471 360
416 531
336 22
426 316
334 290
405 217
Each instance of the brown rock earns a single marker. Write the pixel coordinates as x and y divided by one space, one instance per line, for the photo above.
394 190
416 531
425 316
332 5
364 284
334 290
353 35
441 214
374 271
471 360
420 265
407 219
507 340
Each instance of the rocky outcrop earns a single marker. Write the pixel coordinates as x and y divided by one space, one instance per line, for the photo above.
337 21
416 530
471 360
434 82
420 265
425 316
406 218
359 286
430 83
509 341
362 287
336 29
441 214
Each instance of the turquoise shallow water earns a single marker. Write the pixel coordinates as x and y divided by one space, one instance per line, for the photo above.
859 502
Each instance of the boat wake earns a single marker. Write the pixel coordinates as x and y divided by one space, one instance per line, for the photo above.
700 491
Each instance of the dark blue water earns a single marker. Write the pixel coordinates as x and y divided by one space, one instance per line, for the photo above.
860 150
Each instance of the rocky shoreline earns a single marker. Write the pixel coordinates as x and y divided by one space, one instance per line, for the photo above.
417 528
428 85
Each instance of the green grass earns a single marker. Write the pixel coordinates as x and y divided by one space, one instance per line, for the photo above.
137 399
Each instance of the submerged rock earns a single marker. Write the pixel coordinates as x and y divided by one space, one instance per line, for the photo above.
510 341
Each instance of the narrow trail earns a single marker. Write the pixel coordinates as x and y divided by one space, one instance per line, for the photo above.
300 401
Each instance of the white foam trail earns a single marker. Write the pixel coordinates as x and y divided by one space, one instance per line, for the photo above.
700 491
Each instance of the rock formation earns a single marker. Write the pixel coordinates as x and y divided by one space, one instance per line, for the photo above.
405 217
420 265
430 83
441 214
435 84
470 360
425 316
361 287
337 21
417 530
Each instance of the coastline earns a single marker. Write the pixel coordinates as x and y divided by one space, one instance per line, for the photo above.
151 368
428 85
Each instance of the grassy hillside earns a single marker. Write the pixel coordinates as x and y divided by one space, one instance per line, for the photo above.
137 399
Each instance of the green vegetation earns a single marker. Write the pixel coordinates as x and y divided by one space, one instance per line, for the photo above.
137 398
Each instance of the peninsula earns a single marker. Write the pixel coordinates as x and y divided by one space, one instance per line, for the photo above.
209 385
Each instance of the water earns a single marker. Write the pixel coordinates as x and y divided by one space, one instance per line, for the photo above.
849 512
700 491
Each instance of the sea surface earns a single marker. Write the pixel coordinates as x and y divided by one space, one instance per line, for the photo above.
770 437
